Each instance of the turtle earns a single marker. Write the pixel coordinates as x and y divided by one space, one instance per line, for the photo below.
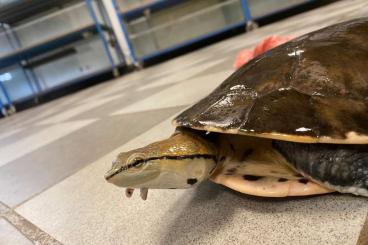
291 122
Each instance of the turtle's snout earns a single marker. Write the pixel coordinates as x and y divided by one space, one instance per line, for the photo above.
113 171
109 175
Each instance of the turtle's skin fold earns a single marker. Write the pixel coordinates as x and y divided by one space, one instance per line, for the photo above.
311 89
292 122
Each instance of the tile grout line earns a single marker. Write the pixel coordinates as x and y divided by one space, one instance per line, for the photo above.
28 229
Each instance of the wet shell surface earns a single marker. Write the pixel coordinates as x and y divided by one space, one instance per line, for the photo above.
313 89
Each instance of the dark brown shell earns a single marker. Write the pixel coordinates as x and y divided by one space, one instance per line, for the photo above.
311 89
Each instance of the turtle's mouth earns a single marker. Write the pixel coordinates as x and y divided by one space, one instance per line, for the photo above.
111 173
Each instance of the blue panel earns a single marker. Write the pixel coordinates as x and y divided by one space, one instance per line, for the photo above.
246 10
1 102
5 94
15 84
78 79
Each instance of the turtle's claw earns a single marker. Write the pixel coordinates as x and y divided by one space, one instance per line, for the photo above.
144 193
129 192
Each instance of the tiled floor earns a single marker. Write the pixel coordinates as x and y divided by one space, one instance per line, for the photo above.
53 158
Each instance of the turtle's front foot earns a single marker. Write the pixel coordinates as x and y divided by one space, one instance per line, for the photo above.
143 194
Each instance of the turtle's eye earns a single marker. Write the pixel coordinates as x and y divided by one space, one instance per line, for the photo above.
138 163
136 160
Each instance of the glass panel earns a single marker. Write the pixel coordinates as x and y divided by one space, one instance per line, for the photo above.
53 25
73 65
47 27
259 8
181 23
5 41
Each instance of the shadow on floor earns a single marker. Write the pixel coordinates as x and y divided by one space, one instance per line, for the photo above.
212 208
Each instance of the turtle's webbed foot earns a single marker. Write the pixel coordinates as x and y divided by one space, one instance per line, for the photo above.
143 194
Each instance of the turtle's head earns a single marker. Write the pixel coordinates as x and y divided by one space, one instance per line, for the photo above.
181 161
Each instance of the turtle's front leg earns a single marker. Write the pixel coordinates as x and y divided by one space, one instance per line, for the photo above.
144 193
